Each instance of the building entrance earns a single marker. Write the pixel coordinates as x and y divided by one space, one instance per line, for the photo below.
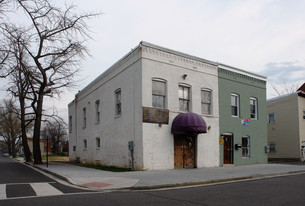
228 150
184 151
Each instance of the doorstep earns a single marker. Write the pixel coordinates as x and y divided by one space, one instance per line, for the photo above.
228 165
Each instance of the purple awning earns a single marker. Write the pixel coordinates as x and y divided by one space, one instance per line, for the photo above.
188 123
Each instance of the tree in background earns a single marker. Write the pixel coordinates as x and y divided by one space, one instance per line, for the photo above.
10 128
284 88
3 146
53 43
57 135
19 84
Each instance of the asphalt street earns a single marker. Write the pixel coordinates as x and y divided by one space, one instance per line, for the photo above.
288 190
283 190
17 180
24 186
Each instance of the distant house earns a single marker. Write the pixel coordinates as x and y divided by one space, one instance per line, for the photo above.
43 146
286 125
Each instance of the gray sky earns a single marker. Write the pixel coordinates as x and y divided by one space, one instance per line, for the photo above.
261 36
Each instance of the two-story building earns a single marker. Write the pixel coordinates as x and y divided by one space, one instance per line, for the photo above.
286 126
153 109
242 111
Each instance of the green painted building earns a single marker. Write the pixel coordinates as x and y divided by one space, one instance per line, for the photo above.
242 110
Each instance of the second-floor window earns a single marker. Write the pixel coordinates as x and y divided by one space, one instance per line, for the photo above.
158 93
70 123
118 105
97 111
235 105
184 98
206 101
84 117
253 108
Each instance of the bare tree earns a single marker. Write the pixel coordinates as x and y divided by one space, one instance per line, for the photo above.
57 133
285 88
54 43
18 71
10 128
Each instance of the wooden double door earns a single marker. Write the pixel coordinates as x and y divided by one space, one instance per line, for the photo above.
184 151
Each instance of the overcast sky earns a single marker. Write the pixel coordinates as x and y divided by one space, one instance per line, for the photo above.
263 36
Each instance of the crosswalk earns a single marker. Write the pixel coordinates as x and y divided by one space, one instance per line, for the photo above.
29 190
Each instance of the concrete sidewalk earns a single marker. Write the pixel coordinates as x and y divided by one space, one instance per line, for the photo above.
135 180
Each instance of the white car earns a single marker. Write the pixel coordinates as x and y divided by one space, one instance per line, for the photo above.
5 154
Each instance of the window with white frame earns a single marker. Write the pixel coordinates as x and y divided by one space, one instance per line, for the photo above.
271 117
158 93
85 144
70 123
97 111
206 101
253 108
235 105
118 104
245 146
98 142
184 98
84 117
272 147
303 114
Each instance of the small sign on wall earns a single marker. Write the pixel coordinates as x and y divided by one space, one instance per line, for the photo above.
245 122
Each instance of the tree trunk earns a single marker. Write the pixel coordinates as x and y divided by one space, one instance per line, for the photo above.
37 127
26 149
9 147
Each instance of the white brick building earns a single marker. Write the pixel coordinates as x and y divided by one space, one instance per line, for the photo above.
135 102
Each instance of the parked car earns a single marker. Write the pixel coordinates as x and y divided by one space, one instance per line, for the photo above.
5 154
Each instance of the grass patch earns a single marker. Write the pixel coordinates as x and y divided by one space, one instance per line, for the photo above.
56 158
101 167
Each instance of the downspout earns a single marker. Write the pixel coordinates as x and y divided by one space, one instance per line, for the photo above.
75 116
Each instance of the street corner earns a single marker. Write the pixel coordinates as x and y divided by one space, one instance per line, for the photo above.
95 185
104 182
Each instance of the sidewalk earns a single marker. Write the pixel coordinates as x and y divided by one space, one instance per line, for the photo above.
135 180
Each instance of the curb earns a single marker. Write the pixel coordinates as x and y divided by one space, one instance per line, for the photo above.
215 181
175 185
50 172
203 182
